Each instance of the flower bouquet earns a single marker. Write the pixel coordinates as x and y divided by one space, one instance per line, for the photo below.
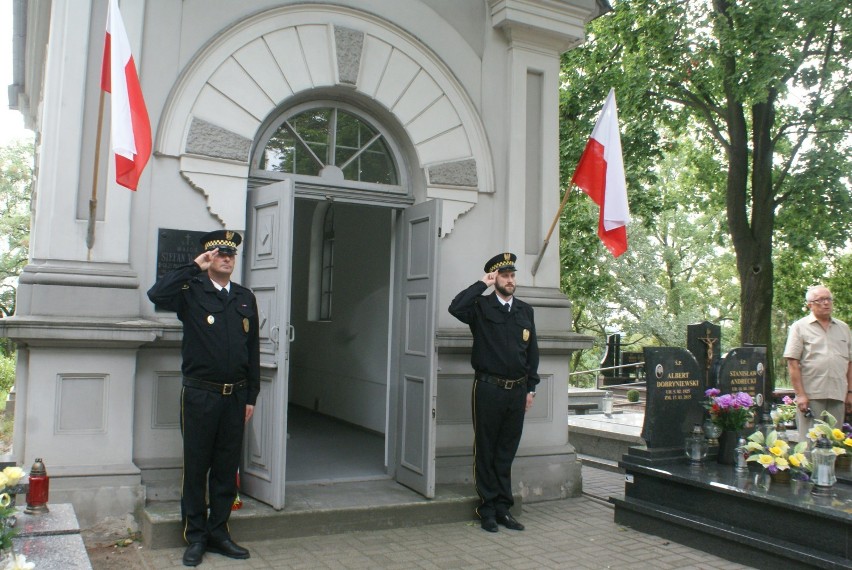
9 477
731 412
840 439
785 412
776 456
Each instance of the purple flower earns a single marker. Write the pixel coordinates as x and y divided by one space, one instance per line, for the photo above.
772 469
743 399
847 428
725 401
787 400
712 392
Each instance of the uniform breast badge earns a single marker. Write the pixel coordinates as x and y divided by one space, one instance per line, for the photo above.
246 325
210 319
526 335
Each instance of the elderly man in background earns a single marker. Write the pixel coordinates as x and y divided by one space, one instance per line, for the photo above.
819 359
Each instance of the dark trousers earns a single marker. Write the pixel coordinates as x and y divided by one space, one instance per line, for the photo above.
498 421
212 427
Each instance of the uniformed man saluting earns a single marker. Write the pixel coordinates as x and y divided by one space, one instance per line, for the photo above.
221 381
505 361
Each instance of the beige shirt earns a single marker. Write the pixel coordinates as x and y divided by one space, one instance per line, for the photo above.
823 355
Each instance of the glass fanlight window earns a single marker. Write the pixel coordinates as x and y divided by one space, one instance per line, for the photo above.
330 143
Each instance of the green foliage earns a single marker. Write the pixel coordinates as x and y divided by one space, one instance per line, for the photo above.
7 374
15 187
633 395
752 98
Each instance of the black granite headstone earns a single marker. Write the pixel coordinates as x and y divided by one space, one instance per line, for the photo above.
674 394
612 356
743 369
176 248
704 340
630 360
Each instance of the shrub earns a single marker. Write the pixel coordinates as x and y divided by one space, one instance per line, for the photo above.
7 373
633 395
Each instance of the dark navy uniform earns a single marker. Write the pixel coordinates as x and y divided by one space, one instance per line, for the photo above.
221 370
505 360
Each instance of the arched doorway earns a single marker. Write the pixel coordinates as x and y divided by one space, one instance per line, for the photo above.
350 395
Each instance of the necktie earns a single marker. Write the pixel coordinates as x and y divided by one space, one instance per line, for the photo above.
223 294
508 307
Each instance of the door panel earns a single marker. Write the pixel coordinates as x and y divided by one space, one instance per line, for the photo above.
267 273
420 237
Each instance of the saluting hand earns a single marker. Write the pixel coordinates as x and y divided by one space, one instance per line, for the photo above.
205 259
489 278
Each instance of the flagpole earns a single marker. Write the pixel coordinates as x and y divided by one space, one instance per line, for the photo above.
550 231
93 201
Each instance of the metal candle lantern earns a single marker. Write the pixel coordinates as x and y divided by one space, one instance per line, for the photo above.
606 403
696 445
39 489
823 459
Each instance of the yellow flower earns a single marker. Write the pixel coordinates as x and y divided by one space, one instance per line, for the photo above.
3 480
838 451
13 475
781 463
776 451
5 500
838 434
848 442
765 460
794 461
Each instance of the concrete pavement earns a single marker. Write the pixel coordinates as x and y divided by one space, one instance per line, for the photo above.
571 533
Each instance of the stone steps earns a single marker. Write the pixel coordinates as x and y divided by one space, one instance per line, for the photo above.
323 509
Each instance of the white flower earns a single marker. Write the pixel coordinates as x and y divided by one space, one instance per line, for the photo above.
19 562
13 475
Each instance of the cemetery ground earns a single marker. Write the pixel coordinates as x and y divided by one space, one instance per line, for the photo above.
569 533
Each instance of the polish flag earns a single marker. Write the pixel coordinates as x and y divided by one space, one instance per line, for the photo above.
600 174
131 129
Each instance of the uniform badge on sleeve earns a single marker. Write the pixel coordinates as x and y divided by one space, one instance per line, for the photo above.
526 335
246 325
210 319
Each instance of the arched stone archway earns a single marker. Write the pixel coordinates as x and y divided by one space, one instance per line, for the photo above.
223 97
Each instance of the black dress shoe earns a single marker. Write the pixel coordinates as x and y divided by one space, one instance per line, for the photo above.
193 554
228 548
489 524
509 522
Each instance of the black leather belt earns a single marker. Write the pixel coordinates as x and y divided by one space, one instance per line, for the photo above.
505 383
224 389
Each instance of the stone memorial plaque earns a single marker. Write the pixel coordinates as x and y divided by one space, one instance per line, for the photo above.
176 248
743 369
704 342
675 391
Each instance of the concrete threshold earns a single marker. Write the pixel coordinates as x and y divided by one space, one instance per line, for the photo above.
324 509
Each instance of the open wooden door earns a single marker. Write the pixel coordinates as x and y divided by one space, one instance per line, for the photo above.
267 272
417 380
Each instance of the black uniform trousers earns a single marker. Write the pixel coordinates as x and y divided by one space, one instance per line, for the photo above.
212 425
498 421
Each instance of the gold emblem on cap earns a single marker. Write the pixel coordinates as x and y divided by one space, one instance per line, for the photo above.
210 319
229 235
246 325
507 256
526 335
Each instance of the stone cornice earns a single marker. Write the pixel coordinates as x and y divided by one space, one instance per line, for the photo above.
552 25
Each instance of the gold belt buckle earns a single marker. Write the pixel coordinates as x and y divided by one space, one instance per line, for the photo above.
508 384
227 389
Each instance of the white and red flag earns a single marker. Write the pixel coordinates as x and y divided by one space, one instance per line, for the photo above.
131 128
600 174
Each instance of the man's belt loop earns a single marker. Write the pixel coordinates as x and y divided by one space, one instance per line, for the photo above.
505 383
223 389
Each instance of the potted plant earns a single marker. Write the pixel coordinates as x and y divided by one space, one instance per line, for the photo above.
777 457
840 438
730 412
9 477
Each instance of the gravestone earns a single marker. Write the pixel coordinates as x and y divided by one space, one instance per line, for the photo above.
703 340
176 248
630 360
611 359
743 369
675 390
